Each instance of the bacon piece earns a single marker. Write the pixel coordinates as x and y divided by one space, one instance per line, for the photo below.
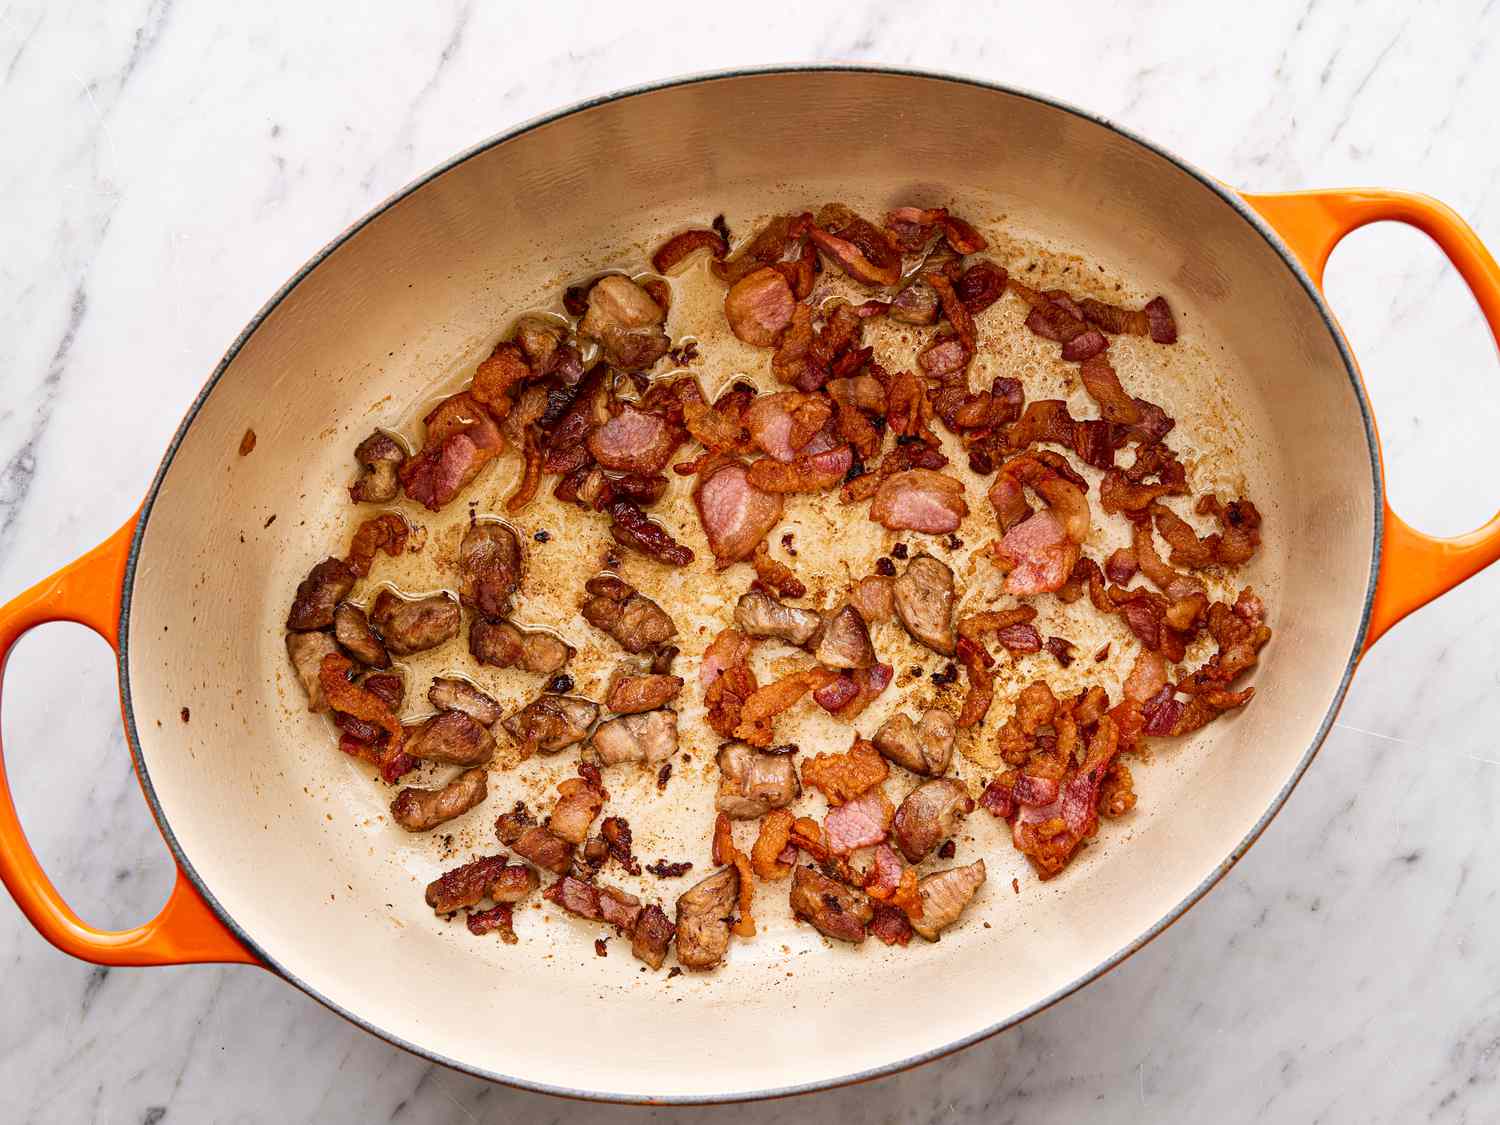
976 661
1103 385
727 855
727 680
843 777
853 691
677 249
774 576
1163 327
859 823
956 312
861 250
975 625
1084 346
461 439
735 514
1049 835
783 424
1147 678
360 702
811 472
759 306
1240 529
634 441
874 597
769 245
386 532
768 702
631 527
497 919
980 286
946 355
920 500
775 836
1187 549
498 377
890 924
1113 319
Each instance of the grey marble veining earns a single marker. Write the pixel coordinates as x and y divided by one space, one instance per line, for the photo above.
164 167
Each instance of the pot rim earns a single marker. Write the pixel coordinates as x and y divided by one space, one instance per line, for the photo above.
1220 869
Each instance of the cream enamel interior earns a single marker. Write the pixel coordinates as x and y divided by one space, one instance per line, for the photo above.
288 836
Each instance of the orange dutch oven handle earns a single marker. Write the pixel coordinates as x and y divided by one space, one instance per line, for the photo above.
186 931
1414 568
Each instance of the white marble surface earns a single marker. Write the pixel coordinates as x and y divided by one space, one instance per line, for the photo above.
163 167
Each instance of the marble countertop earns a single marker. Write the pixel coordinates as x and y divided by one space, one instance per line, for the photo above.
165 167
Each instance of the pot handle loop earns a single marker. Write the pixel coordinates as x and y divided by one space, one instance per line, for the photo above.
1414 567
186 931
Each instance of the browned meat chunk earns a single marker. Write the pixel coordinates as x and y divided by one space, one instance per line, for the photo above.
649 738
835 910
631 618
461 440
925 747
421 810
448 693
552 722
944 896
595 901
489 568
487 877
631 693
703 914
319 594
545 849
307 651
759 306
653 935
924 603
752 783
453 738
501 645
626 322
351 628
414 625
760 615
844 641
929 815
380 456
874 597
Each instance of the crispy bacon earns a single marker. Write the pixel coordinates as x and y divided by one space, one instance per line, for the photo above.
498 377
631 527
890 924
980 286
976 661
1084 346
677 249
727 680
1103 385
461 439
811 472
768 702
770 244
861 250
359 702
843 777
386 532
1240 529
783 424
774 576
775 835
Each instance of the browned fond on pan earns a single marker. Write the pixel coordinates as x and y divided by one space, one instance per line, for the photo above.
292 838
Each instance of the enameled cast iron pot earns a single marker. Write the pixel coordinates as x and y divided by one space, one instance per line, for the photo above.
265 878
